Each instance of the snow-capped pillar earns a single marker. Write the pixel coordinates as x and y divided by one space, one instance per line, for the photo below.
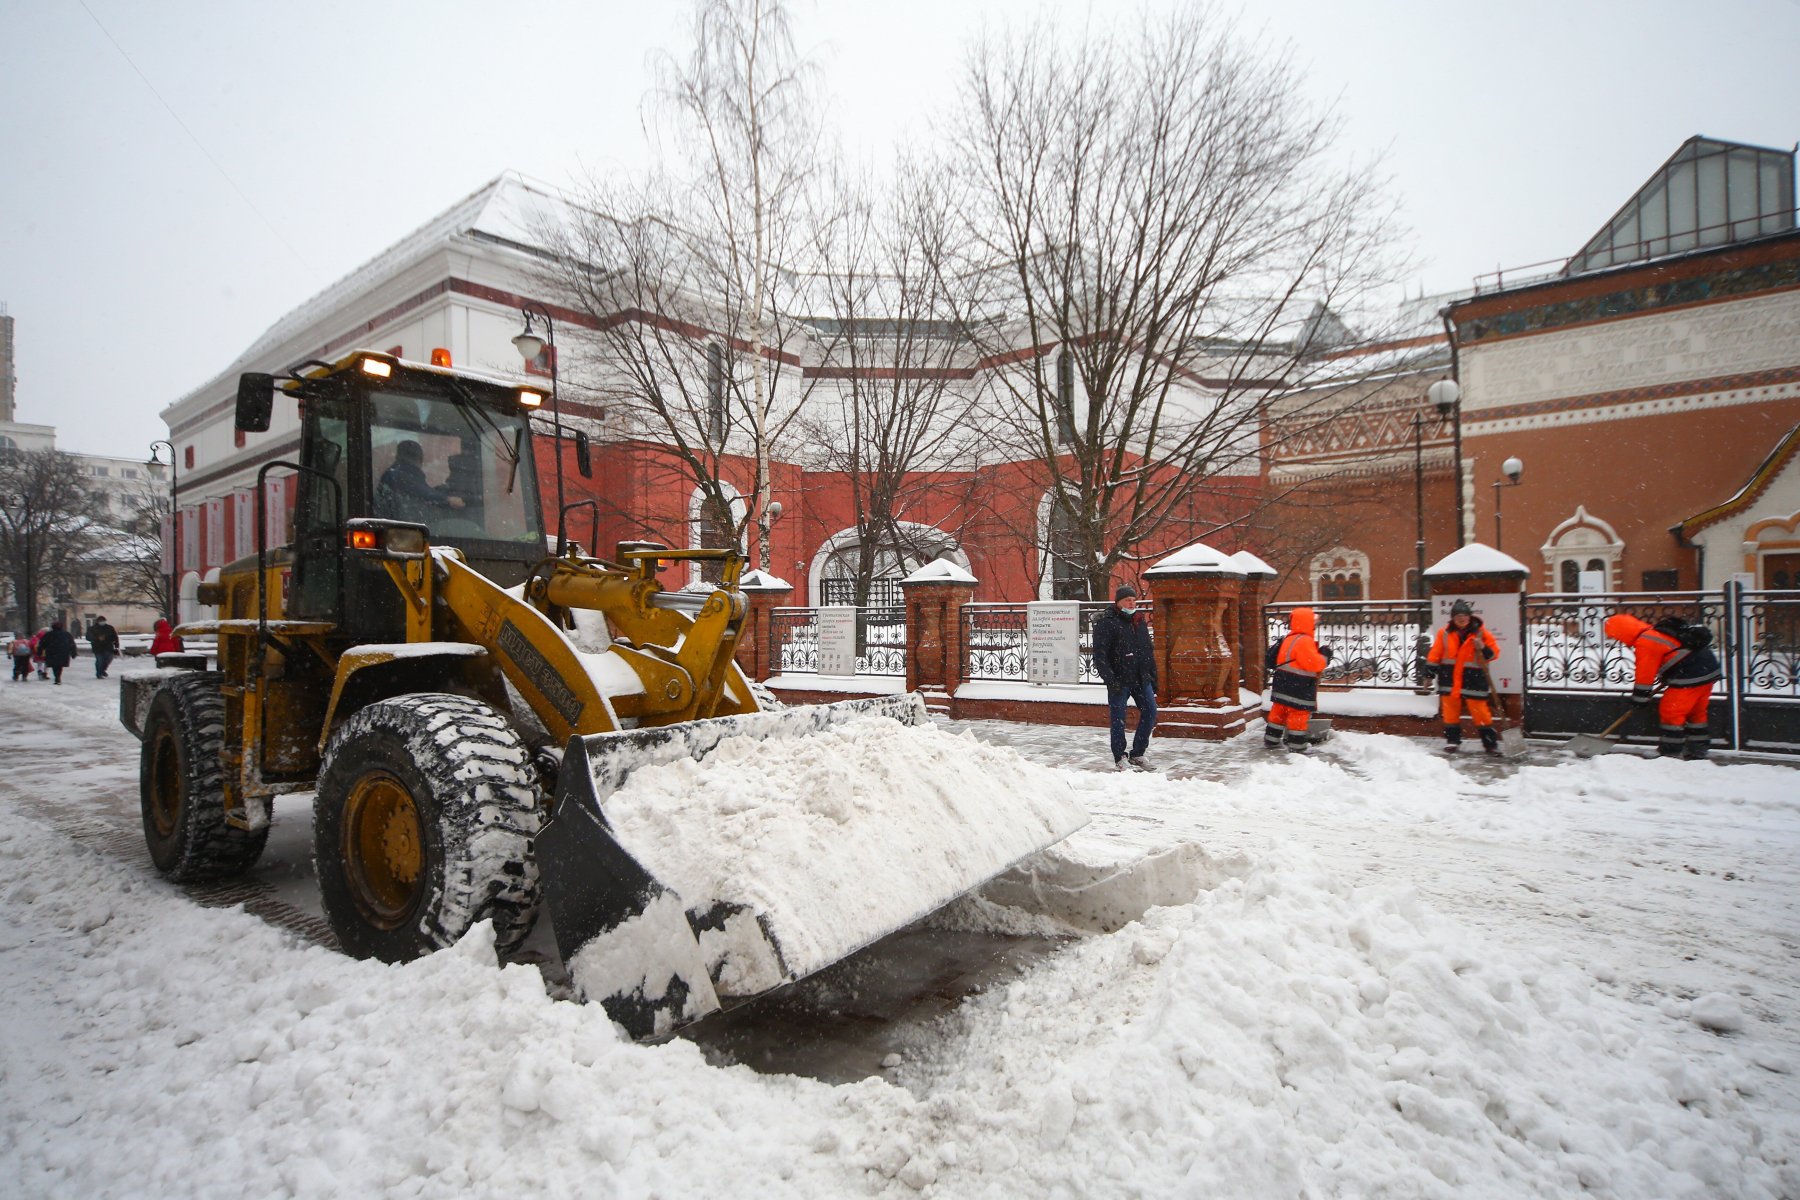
935 594
1494 585
1196 593
755 649
1253 630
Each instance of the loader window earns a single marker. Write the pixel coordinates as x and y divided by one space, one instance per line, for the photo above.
464 472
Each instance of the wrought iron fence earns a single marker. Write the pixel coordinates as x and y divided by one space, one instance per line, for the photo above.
993 640
1374 643
1566 644
880 640
1767 644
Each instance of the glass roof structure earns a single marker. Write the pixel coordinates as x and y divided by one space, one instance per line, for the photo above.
1709 193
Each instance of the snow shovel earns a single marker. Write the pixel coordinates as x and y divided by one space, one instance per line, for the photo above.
1586 745
1512 742
1318 729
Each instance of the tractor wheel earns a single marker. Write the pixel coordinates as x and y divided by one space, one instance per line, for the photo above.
426 808
182 783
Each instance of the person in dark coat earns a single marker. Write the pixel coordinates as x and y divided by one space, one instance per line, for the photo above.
103 640
1125 659
58 649
1295 664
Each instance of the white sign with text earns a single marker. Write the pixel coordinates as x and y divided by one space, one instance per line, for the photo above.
837 639
1500 613
1053 641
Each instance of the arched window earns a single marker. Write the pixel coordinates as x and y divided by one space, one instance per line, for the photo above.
1339 574
1067 580
1583 542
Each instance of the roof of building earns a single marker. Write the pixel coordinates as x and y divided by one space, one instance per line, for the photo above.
508 210
1759 481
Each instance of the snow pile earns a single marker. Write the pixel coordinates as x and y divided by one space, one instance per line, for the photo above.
1292 1018
835 838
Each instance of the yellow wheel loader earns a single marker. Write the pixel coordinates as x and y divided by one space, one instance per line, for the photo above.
462 702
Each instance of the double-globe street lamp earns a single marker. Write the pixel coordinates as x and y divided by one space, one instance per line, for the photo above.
1447 396
530 346
155 466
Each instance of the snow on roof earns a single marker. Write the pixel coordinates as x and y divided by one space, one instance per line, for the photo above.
940 570
508 208
1477 559
1249 564
760 579
1197 557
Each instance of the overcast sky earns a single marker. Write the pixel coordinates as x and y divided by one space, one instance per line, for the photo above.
146 241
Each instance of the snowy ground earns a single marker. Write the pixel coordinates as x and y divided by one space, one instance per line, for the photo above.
1371 973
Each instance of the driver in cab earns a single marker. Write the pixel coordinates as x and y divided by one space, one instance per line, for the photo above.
404 494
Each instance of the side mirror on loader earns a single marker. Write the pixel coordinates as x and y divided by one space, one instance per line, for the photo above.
584 455
255 401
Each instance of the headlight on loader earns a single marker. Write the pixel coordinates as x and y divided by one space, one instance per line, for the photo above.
386 539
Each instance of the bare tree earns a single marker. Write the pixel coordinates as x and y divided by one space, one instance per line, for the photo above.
1174 240
49 523
136 561
895 416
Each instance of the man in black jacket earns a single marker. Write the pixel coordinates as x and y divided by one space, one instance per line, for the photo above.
104 640
58 649
1126 661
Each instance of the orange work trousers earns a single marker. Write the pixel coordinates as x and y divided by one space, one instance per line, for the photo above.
1293 719
1685 706
1451 710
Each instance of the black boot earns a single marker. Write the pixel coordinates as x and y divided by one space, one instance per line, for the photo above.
1490 738
1452 738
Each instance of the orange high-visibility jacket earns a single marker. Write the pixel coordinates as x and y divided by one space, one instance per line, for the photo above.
1469 652
1651 646
1297 663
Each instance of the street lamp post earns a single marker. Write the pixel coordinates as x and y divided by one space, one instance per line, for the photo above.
1447 396
1513 468
28 602
156 468
530 345
1418 424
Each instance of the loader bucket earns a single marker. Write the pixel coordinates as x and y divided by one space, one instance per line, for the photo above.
659 947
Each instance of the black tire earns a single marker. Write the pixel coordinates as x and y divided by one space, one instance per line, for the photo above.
181 784
426 808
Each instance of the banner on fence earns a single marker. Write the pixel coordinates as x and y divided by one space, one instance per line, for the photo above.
1500 613
1053 641
837 639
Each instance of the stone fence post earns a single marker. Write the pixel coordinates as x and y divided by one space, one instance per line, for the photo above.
1196 593
765 593
1253 631
935 594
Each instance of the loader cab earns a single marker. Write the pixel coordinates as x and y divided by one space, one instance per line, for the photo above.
403 442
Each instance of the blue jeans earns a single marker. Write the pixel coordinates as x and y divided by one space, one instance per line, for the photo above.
1145 695
102 660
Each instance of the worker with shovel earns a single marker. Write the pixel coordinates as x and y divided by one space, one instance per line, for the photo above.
1679 656
1461 654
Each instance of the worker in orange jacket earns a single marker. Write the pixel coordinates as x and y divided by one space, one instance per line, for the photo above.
1677 654
1461 653
1297 662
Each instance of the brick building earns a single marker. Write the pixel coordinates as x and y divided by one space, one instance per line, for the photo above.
1649 384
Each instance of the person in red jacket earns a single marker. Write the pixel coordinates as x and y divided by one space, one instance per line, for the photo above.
1675 653
1461 654
166 641
1297 662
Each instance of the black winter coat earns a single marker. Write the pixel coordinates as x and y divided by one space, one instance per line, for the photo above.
103 638
58 648
1124 655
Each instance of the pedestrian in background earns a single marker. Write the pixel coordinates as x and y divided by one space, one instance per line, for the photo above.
1679 656
58 649
20 649
1125 658
1461 654
103 640
37 653
1297 662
